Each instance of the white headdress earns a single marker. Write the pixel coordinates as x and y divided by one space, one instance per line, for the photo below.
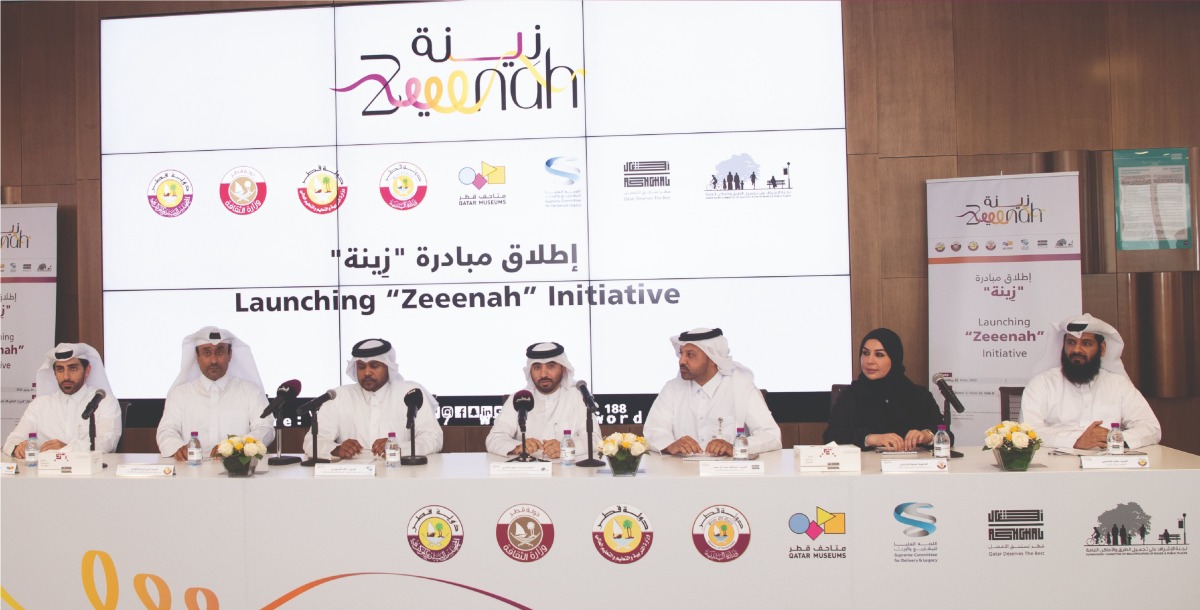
1076 326
713 343
548 351
241 365
46 382
374 349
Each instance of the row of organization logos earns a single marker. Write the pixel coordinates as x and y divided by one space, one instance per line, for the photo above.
623 534
404 185
1007 245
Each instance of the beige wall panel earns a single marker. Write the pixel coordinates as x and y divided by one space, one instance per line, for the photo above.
1155 73
89 261
1031 76
1100 298
48 95
907 313
11 15
902 212
915 78
866 250
1129 312
995 165
1180 420
87 91
858 50
132 9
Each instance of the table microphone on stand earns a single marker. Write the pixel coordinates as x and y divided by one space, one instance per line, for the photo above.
523 404
287 391
89 413
312 407
950 399
589 403
413 399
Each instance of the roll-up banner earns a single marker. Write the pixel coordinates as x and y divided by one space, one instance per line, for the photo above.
1003 267
29 278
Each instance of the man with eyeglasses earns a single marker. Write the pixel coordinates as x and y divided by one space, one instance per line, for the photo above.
218 392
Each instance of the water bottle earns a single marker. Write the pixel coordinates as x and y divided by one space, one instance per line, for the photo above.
391 451
31 451
1116 440
941 443
566 451
741 445
195 451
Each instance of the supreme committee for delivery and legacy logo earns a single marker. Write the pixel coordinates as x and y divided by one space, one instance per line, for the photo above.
525 532
403 186
622 534
435 533
243 190
169 193
721 533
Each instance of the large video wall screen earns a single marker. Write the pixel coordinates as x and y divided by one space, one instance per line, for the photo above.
467 178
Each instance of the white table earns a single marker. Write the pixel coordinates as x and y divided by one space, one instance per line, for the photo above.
252 542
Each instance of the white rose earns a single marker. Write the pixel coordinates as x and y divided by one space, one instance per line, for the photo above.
225 448
250 449
628 437
609 447
614 437
1026 428
1006 424
637 449
993 440
1020 440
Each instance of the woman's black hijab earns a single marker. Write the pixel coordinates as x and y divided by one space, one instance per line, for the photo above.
895 381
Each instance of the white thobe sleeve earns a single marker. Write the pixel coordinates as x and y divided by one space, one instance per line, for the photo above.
1138 422
504 435
659 429
764 432
170 428
27 424
108 428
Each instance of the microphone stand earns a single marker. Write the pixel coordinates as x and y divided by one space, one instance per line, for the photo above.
280 459
946 416
524 457
412 459
314 460
591 461
92 434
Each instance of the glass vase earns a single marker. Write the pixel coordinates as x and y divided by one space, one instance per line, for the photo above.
624 465
235 468
1016 460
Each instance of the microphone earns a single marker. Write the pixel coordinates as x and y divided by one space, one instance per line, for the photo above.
314 405
523 404
413 399
948 391
588 399
287 391
94 404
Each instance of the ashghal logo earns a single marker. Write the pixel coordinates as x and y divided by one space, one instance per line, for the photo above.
910 514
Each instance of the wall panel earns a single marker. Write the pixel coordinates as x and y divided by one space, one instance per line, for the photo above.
858 42
48 95
866 297
902 212
915 66
1031 76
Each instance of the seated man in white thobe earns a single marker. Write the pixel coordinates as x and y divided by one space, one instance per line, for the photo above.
57 417
558 405
1074 403
218 393
363 413
700 410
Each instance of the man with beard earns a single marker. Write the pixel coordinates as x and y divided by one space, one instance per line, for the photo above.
700 410
363 413
56 417
218 392
1074 403
557 406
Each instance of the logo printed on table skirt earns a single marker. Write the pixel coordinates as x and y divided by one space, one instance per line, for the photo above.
721 533
435 533
525 532
622 534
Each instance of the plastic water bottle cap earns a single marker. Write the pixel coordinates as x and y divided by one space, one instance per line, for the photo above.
566 431
391 435
941 427
1115 425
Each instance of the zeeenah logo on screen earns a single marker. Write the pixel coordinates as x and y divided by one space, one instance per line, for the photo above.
15 238
513 75
992 212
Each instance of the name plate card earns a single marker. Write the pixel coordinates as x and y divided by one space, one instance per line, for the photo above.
8 468
914 464
732 468
520 469
1124 460
344 470
145 470
69 463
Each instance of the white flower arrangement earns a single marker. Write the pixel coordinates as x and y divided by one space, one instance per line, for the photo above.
241 448
1011 436
622 444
